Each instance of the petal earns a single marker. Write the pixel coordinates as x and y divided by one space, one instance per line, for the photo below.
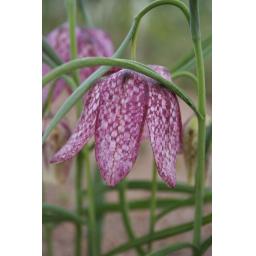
163 120
123 105
84 129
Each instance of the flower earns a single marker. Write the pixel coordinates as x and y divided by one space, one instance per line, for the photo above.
54 142
90 43
117 111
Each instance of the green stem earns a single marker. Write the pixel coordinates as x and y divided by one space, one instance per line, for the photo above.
79 203
70 81
79 92
71 11
92 227
205 245
161 234
185 74
145 204
176 3
153 204
199 183
86 15
172 248
125 215
60 214
48 238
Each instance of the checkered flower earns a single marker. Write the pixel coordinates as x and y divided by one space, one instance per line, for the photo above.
90 43
118 111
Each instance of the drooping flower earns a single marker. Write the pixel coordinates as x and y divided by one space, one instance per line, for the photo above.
117 111
53 143
90 43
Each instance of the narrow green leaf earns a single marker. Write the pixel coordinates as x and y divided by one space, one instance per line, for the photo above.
161 187
50 53
205 245
172 248
182 203
208 139
52 213
145 204
79 92
188 62
168 232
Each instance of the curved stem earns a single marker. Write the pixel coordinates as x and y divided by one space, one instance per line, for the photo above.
70 81
185 74
199 184
125 215
84 62
92 228
79 92
138 17
153 205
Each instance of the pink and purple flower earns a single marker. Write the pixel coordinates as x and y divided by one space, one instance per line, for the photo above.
121 109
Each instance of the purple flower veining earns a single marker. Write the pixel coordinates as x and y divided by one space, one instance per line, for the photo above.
90 43
120 110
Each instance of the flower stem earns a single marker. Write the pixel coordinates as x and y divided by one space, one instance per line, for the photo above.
92 227
71 11
199 183
153 205
79 205
125 215
48 237
85 13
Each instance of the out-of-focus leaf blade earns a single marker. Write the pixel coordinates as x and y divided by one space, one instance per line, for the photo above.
205 245
188 62
55 214
172 248
161 234
50 53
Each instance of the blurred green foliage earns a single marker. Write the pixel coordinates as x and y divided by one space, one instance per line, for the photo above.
163 36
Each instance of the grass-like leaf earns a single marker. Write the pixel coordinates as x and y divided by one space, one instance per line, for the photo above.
168 232
188 62
55 214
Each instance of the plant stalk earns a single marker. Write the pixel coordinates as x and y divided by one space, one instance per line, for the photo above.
92 227
79 203
153 204
71 11
125 215
199 181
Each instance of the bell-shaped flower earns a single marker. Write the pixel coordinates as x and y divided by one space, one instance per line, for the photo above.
118 110
53 143
91 42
